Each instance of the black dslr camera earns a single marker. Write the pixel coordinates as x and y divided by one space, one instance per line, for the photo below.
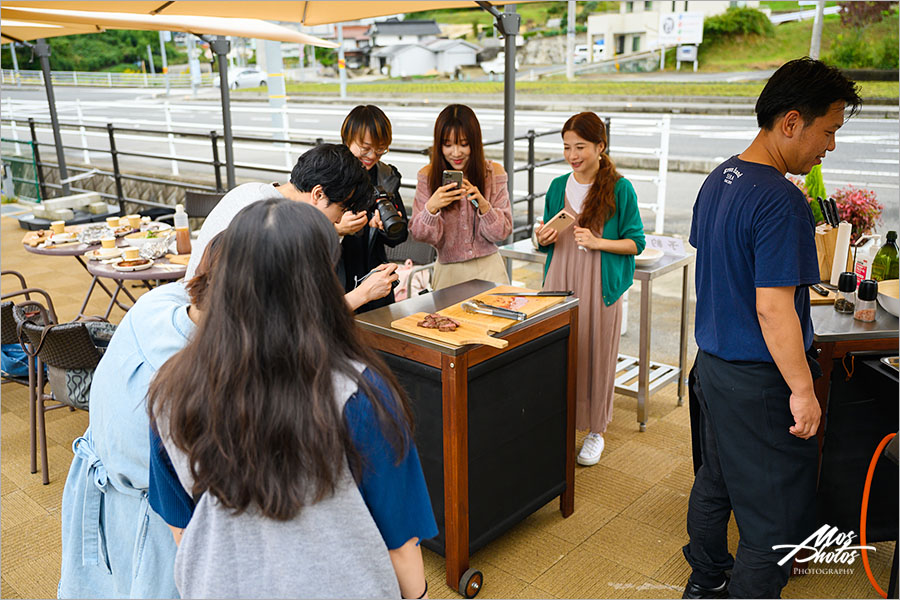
394 223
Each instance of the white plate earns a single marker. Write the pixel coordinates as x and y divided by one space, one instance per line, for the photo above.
103 253
130 269
62 238
648 257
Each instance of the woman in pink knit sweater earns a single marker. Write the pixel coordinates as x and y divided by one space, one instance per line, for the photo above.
463 224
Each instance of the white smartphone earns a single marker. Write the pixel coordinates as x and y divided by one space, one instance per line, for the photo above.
561 221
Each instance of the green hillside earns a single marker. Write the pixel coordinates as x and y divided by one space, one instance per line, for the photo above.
791 40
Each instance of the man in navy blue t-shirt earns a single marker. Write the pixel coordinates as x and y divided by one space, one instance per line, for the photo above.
756 255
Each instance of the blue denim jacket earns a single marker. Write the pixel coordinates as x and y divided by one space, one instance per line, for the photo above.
113 544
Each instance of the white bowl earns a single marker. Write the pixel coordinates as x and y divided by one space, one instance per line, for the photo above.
648 257
888 293
136 239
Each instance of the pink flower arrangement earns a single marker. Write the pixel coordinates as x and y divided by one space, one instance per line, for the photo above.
859 207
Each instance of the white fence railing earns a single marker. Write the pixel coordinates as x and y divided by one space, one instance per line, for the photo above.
100 79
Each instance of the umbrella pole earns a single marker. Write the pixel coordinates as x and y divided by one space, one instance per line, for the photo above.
508 26
510 22
220 45
42 49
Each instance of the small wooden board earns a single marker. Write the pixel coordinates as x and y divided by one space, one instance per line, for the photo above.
532 306
465 334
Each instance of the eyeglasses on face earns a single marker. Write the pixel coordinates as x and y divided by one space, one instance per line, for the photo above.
367 151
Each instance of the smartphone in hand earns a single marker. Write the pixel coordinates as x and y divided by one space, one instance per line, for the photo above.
452 177
561 221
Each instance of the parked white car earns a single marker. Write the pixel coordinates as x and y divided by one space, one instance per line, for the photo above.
581 53
497 65
246 77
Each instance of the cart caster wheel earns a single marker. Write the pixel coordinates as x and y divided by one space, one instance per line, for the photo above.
470 583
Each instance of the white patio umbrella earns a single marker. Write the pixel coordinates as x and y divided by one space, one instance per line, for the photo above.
318 12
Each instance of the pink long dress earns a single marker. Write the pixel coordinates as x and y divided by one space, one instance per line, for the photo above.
599 327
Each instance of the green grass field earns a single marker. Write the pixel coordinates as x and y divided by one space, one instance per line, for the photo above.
870 89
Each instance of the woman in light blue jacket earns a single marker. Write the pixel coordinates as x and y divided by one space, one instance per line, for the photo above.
113 544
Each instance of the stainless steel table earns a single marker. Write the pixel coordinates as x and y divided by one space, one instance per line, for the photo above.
638 377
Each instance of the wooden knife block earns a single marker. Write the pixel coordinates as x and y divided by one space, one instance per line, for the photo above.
826 240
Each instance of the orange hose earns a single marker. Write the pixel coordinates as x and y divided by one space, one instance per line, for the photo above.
865 510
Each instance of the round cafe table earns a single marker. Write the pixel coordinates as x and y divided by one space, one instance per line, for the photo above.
162 270
77 250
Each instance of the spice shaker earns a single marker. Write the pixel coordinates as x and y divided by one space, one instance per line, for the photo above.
865 301
846 296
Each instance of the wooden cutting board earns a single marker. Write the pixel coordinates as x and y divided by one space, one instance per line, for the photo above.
465 334
531 307
815 298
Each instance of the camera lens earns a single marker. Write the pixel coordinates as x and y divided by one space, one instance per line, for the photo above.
393 222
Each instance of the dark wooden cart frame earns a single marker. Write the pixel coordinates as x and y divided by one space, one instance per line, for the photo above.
454 368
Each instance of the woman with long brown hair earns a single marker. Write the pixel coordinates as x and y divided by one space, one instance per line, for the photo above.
288 466
463 223
596 260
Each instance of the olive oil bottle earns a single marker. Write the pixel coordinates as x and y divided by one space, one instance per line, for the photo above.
885 265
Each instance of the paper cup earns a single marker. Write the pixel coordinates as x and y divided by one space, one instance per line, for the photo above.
132 253
112 222
109 242
58 226
134 221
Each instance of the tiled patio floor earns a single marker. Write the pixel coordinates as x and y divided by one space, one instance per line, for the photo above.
623 541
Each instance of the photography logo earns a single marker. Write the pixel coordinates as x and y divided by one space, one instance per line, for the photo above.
827 546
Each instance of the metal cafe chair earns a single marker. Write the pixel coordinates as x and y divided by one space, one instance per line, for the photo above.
44 314
197 205
422 255
64 348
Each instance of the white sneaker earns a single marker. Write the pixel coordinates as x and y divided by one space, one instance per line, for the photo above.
591 450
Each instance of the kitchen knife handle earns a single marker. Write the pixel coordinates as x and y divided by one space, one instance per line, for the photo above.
825 216
834 212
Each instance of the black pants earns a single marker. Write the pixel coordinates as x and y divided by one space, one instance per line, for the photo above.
752 465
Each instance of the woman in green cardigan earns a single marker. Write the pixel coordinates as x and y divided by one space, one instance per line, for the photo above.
595 258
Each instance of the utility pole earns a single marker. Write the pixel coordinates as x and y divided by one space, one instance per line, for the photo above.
570 42
194 64
342 64
816 42
15 59
162 54
150 58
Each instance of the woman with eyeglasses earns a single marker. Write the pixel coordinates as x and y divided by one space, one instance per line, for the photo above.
464 223
367 132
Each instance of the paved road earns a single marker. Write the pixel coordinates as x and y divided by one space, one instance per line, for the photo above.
866 154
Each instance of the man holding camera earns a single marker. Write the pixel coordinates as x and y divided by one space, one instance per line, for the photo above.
330 178
367 233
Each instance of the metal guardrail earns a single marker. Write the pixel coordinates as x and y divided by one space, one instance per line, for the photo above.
20 157
99 79
284 143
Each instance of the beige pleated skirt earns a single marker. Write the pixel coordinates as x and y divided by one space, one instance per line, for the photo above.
599 327
490 268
